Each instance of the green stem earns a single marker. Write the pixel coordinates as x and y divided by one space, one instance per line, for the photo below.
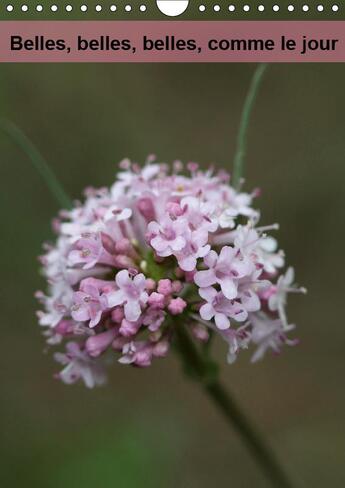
38 162
204 372
240 153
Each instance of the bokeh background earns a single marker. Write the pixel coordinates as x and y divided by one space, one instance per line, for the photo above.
152 427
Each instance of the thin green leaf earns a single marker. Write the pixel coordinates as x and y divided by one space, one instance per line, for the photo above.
37 161
241 145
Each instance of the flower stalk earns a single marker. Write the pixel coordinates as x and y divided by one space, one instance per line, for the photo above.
205 372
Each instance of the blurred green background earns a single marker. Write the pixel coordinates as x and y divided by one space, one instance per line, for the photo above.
152 427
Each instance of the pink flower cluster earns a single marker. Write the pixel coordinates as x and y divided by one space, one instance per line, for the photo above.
157 251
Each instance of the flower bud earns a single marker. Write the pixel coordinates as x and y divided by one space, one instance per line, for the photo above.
97 344
164 287
176 306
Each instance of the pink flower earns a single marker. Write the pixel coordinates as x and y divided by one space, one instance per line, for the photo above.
174 209
196 247
88 305
131 293
269 334
200 214
269 257
202 269
128 328
220 308
225 269
117 214
249 289
238 204
260 248
140 353
278 297
154 318
56 307
246 239
79 365
103 286
167 237
237 339
89 251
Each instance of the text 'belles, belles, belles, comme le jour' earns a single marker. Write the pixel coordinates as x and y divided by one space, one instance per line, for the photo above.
171 43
